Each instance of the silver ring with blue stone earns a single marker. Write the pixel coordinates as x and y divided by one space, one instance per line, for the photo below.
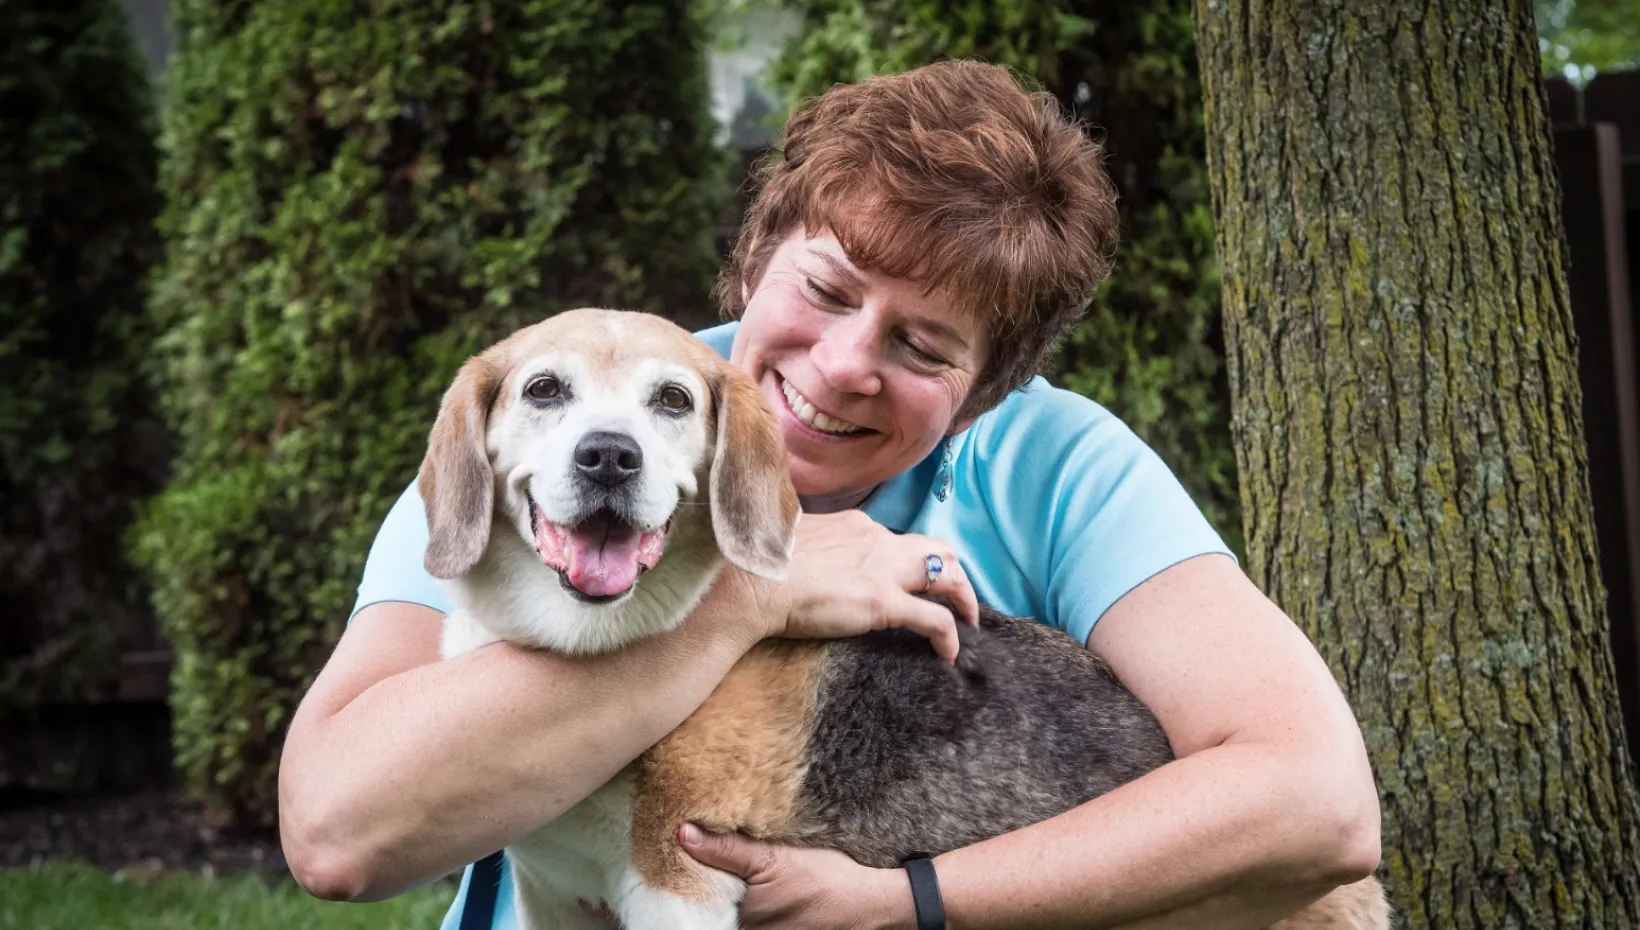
933 564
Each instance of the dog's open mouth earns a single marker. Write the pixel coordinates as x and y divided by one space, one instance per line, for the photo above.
600 557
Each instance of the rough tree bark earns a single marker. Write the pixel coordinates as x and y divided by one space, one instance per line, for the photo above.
1408 431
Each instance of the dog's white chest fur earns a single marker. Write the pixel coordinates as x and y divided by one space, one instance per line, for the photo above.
585 854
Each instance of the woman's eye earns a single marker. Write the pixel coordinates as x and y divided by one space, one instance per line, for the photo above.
545 388
924 356
820 293
675 399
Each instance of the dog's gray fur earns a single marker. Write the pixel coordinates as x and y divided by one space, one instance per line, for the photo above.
912 754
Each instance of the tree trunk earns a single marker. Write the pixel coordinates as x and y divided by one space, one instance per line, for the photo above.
1409 437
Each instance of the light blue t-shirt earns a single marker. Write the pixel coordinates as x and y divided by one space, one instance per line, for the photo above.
1055 506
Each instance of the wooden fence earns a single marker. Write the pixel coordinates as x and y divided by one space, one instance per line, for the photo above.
1597 149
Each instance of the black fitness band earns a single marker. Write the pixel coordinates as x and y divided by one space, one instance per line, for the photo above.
925 892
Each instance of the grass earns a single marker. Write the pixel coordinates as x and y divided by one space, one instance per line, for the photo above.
74 896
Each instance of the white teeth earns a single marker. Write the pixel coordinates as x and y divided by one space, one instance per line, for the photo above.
805 411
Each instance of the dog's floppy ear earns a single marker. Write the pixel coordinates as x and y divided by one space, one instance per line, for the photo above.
754 505
456 484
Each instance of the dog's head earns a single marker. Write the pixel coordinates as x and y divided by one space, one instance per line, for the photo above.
585 440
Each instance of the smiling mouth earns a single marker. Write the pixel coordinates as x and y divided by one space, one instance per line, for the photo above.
599 557
805 412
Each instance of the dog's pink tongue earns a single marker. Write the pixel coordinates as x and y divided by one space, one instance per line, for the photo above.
606 557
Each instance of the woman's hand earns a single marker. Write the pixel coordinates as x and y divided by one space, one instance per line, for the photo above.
849 575
807 889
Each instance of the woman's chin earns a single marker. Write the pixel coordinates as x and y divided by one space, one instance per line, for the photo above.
829 474
816 489
816 482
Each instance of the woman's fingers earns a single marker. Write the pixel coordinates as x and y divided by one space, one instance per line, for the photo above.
928 620
896 572
938 573
955 586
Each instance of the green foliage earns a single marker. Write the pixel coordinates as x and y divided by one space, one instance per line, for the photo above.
357 202
1581 37
71 894
1150 348
77 205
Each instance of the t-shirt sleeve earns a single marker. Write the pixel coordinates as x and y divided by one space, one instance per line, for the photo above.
394 570
1091 510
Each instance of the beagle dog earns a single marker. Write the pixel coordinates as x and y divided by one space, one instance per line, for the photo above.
585 480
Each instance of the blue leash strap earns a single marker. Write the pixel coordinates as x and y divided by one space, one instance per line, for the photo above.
479 911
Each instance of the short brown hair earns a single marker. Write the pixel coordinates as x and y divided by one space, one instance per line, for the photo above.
952 175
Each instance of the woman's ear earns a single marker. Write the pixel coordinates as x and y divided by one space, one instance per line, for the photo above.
456 484
754 504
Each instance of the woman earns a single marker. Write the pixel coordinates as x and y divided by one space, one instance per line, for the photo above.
909 261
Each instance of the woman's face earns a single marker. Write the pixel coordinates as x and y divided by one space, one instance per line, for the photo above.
865 372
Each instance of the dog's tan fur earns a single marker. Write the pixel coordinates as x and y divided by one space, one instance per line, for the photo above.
758 510
455 481
736 764
1360 906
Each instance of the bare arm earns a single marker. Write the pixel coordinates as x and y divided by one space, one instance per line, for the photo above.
399 768
1270 805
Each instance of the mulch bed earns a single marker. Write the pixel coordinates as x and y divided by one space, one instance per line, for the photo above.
143 832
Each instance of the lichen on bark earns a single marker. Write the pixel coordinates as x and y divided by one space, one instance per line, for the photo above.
1406 414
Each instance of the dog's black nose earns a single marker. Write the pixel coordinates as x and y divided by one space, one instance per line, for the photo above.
608 458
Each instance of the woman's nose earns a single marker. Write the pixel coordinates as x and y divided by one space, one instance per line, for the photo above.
846 356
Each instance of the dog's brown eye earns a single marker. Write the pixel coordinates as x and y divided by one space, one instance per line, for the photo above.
674 398
544 388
